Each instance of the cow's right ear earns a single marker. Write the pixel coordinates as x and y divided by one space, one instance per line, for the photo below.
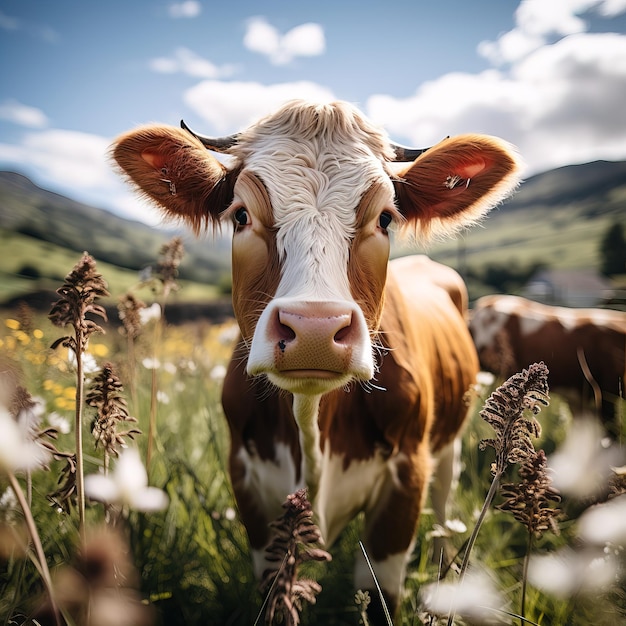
172 168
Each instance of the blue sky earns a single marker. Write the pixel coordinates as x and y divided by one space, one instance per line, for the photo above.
547 75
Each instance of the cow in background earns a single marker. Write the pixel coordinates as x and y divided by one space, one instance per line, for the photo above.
350 377
584 349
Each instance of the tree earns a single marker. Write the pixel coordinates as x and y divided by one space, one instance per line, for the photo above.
613 250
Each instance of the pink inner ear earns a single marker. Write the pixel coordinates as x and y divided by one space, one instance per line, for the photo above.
471 169
154 159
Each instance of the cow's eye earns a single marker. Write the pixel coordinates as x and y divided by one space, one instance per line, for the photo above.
241 217
385 220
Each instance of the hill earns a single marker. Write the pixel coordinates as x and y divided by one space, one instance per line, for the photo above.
42 235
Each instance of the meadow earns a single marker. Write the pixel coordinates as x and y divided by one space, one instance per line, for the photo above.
125 559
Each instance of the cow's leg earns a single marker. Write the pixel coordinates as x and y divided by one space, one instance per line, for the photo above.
264 459
445 476
389 530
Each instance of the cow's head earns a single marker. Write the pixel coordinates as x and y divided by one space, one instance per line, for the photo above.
311 193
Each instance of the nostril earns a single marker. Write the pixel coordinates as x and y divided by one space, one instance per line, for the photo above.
343 334
285 333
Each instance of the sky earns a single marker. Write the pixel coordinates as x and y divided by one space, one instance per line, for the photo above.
548 76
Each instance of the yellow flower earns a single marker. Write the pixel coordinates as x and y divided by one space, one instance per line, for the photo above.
69 393
38 334
99 349
12 324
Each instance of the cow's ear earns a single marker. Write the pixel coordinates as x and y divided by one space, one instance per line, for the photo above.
456 182
173 169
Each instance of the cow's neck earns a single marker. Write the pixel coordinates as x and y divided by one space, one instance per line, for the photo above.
306 411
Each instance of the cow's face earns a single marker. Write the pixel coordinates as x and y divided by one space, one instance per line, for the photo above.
311 199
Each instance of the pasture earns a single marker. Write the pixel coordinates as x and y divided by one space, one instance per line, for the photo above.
189 564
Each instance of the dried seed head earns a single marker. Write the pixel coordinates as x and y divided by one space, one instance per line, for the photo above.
294 543
105 395
505 410
531 501
129 310
82 286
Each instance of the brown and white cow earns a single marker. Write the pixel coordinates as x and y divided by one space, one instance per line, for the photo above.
350 373
584 349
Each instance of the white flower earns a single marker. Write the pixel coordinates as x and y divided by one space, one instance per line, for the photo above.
475 598
152 312
604 523
566 572
17 452
90 365
127 485
170 368
59 422
582 464
218 372
151 364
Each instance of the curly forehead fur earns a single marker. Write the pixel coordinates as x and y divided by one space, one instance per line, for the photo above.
316 161
315 157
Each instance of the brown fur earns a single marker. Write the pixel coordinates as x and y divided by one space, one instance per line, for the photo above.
558 337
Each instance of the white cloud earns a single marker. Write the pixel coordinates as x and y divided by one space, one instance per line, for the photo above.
76 165
186 61
22 114
304 40
232 106
560 104
537 21
187 9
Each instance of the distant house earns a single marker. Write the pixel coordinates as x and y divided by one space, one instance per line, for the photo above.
573 288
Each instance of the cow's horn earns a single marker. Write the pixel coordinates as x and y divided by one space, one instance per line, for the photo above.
406 154
219 144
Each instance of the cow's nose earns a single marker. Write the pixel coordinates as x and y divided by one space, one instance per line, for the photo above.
313 336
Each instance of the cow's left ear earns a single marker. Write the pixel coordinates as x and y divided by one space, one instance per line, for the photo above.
456 182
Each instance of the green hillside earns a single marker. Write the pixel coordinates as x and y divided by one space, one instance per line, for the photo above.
43 234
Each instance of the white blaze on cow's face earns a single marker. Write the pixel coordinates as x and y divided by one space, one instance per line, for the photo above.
310 223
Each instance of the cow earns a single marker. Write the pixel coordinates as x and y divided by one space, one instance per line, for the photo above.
584 349
351 373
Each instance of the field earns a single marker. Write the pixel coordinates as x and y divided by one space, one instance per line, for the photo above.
189 563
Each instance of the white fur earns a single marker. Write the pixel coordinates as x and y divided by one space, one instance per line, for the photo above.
389 572
275 480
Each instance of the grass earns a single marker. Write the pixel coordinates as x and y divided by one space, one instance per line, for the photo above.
192 559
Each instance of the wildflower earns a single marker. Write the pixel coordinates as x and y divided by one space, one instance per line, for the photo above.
82 286
127 485
130 310
167 268
59 423
505 411
475 598
582 465
293 544
218 372
89 363
152 312
568 572
105 395
530 500
17 452
604 523
100 588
